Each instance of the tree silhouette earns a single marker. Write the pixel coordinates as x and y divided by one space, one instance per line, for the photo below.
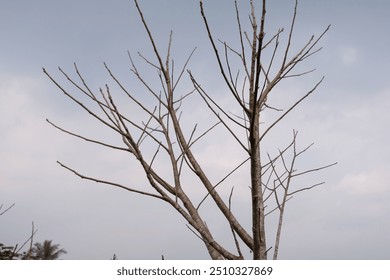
46 251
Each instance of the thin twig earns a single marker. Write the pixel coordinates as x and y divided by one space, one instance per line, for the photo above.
108 182
1 206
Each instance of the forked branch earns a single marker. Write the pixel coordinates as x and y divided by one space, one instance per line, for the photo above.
162 136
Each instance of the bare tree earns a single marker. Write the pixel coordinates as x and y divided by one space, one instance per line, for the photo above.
264 62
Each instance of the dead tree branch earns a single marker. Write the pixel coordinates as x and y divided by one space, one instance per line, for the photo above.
162 138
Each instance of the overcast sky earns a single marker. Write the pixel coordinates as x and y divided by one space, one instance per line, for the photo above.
347 118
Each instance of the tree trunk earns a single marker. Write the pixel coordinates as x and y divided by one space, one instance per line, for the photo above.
259 247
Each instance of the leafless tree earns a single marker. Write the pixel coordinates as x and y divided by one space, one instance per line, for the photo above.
264 62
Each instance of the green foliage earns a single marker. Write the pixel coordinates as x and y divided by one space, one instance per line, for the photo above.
46 251
40 251
7 252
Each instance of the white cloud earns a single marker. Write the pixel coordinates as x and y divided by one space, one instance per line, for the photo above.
365 183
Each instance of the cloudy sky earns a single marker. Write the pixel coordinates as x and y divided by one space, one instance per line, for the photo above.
347 118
